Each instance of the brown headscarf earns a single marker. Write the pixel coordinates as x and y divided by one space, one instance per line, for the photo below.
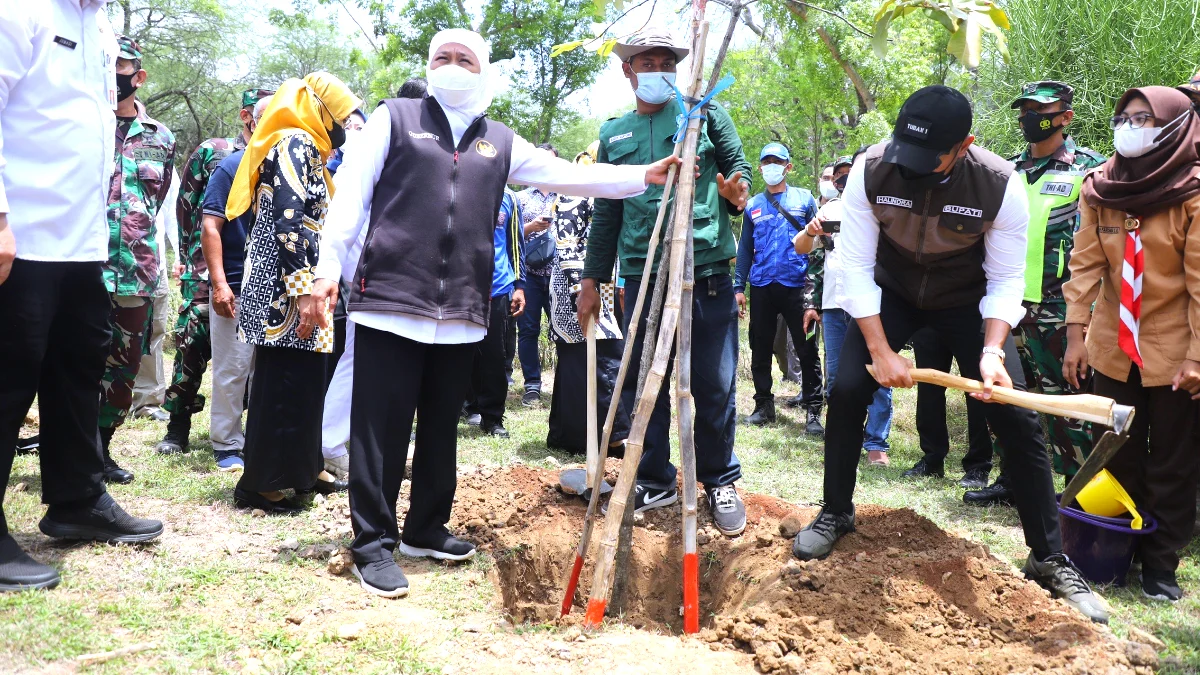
1165 176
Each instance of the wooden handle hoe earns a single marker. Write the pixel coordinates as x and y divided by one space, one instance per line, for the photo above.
1085 407
593 454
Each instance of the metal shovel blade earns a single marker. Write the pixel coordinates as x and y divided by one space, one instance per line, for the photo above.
574 482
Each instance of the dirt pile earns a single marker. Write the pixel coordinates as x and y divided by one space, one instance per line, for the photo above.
899 595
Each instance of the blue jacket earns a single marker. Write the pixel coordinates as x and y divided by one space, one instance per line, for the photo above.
508 273
765 253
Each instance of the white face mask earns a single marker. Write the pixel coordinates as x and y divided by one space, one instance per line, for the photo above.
655 88
452 85
773 173
1131 142
828 189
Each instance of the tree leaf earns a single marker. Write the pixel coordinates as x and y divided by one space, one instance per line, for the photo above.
999 17
879 40
885 8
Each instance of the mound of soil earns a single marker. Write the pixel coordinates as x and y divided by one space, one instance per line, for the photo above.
899 595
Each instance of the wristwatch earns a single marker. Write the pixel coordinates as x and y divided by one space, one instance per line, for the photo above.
994 351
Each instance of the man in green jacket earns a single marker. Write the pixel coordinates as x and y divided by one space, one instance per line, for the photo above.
622 227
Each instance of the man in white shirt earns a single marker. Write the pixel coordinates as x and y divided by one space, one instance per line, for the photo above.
933 234
57 62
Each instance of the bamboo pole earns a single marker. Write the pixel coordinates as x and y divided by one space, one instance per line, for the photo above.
618 504
589 518
593 454
685 404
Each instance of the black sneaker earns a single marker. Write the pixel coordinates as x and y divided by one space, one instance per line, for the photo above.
473 419
28 446
104 520
176 440
1160 585
1059 575
494 429
996 494
764 413
815 542
812 425
531 397
647 498
974 479
923 469
728 511
441 547
19 572
381 577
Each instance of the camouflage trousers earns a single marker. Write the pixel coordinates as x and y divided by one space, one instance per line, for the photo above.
1042 342
193 350
129 322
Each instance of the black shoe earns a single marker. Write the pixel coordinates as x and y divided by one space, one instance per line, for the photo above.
617 451
764 413
176 440
152 412
1160 585
328 487
812 426
924 469
103 520
815 542
1059 575
728 511
531 397
975 479
244 499
494 429
996 494
472 419
113 473
19 572
381 577
28 446
442 546
794 402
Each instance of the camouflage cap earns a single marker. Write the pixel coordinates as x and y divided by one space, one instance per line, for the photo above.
654 37
129 48
1047 91
252 96
846 160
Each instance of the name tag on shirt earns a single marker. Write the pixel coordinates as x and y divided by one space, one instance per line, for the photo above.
1110 230
149 155
1060 189
962 211
69 44
621 137
894 201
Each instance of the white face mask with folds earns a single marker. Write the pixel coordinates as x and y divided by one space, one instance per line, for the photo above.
828 189
773 173
453 85
1131 142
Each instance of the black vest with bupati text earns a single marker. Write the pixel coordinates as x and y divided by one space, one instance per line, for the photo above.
430 244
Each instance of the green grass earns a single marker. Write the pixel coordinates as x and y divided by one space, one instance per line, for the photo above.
208 609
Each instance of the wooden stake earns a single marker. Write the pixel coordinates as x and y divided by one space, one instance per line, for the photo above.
593 455
684 201
589 518
685 404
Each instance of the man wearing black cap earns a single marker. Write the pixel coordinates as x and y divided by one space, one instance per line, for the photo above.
934 234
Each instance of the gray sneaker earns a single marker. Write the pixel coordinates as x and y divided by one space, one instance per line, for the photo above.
381 577
1059 575
816 541
728 511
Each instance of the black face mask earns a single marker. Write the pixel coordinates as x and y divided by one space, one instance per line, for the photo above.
337 136
840 182
1037 127
125 87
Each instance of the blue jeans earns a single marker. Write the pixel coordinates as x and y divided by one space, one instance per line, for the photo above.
529 329
835 323
714 375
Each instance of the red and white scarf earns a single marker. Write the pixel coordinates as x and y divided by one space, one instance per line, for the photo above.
1131 295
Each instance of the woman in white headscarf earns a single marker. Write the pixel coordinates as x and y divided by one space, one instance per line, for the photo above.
431 174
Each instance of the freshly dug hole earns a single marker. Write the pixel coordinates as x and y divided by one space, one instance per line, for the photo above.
899 595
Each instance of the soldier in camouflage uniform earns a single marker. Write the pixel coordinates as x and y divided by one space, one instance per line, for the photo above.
193 348
145 150
1053 166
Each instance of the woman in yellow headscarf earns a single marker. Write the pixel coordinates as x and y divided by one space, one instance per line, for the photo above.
282 177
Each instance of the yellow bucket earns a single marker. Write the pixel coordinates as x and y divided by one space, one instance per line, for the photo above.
1104 496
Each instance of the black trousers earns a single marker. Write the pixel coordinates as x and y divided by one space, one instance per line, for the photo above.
54 340
932 352
1158 464
767 303
394 379
1018 430
283 425
568 405
489 378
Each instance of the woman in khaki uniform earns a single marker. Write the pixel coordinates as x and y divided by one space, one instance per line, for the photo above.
1137 257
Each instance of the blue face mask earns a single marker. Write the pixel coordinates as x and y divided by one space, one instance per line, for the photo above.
773 173
655 88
